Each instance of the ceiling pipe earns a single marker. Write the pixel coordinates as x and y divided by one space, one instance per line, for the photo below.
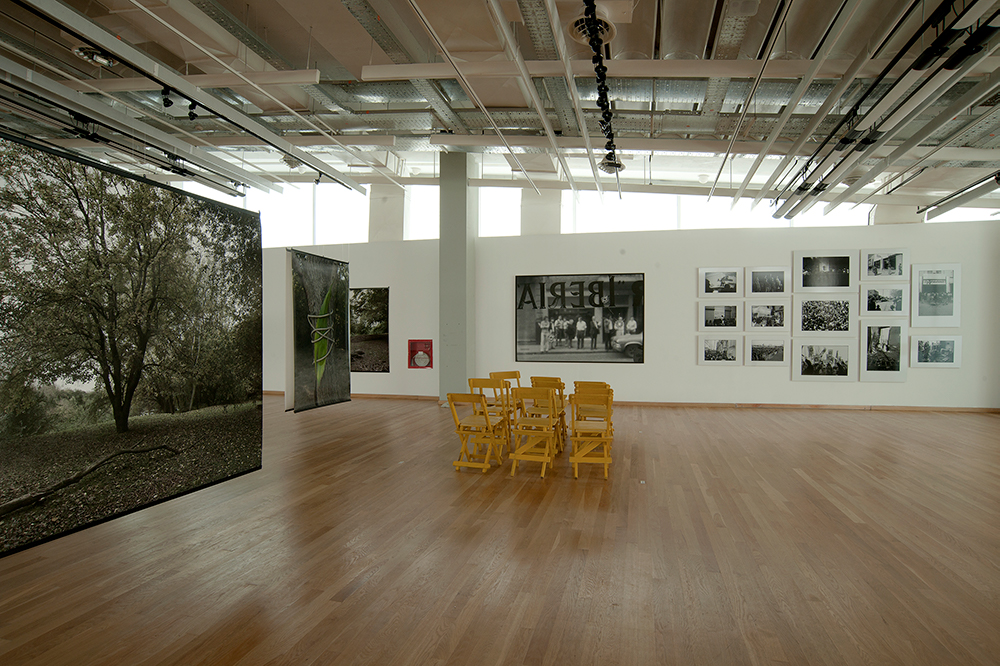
845 81
74 23
574 93
957 199
470 91
527 85
832 38
864 121
753 89
324 132
981 90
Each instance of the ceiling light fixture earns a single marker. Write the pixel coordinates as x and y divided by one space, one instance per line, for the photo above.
610 163
95 56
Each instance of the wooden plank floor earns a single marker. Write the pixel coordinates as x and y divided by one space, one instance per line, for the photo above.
722 537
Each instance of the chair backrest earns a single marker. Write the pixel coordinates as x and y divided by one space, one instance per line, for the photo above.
590 404
513 376
475 400
496 390
541 400
578 385
554 383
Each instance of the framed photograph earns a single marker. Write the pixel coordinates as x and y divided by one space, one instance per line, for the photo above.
885 265
370 329
883 358
596 318
725 282
720 349
766 350
718 316
936 351
936 295
826 314
768 280
885 300
825 270
768 315
827 360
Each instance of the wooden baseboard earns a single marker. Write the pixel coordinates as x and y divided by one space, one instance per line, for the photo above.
381 396
273 392
863 408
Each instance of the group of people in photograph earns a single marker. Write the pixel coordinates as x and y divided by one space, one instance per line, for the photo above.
767 316
767 282
823 361
580 331
825 316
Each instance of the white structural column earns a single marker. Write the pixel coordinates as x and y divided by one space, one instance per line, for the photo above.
385 208
541 213
456 354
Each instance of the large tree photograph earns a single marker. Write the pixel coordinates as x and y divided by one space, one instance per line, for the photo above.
130 345
370 329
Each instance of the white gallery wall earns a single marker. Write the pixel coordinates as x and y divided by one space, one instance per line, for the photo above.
409 269
670 261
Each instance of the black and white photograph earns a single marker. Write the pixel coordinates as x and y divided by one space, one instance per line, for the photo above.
888 265
720 350
766 350
936 295
884 357
130 345
715 316
768 280
580 318
936 351
825 360
725 282
825 314
370 329
825 270
887 300
768 315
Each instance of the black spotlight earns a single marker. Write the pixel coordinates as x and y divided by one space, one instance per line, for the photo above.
167 102
191 114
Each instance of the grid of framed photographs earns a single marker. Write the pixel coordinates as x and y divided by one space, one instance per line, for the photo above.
848 317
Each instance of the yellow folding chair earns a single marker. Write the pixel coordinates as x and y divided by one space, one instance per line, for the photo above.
534 430
498 403
595 412
481 435
556 384
590 437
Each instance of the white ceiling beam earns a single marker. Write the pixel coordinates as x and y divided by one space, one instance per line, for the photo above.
303 77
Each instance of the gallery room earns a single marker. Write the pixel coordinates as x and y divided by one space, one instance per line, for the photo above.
499 332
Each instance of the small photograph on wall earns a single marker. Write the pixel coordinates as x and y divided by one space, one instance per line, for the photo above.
936 351
767 315
936 299
715 316
586 318
884 357
720 282
370 329
768 280
833 360
885 299
825 314
720 350
825 270
766 350
885 265
321 330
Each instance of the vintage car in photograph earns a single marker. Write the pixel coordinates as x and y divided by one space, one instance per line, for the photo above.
629 344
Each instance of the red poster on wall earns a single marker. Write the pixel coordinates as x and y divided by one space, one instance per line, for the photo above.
420 354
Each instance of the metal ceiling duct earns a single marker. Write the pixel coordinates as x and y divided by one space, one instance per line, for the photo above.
684 28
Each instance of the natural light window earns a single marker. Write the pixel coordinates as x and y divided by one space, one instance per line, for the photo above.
634 211
422 217
499 211
286 219
967 215
341 214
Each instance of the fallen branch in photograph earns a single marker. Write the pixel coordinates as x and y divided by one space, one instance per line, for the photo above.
33 498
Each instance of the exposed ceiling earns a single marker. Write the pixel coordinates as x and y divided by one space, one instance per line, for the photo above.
794 103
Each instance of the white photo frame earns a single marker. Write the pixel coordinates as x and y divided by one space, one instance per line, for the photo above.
720 349
825 314
768 281
767 316
936 351
936 295
767 350
880 265
726 282
715 316
825 270
825 360
880 299
884 352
